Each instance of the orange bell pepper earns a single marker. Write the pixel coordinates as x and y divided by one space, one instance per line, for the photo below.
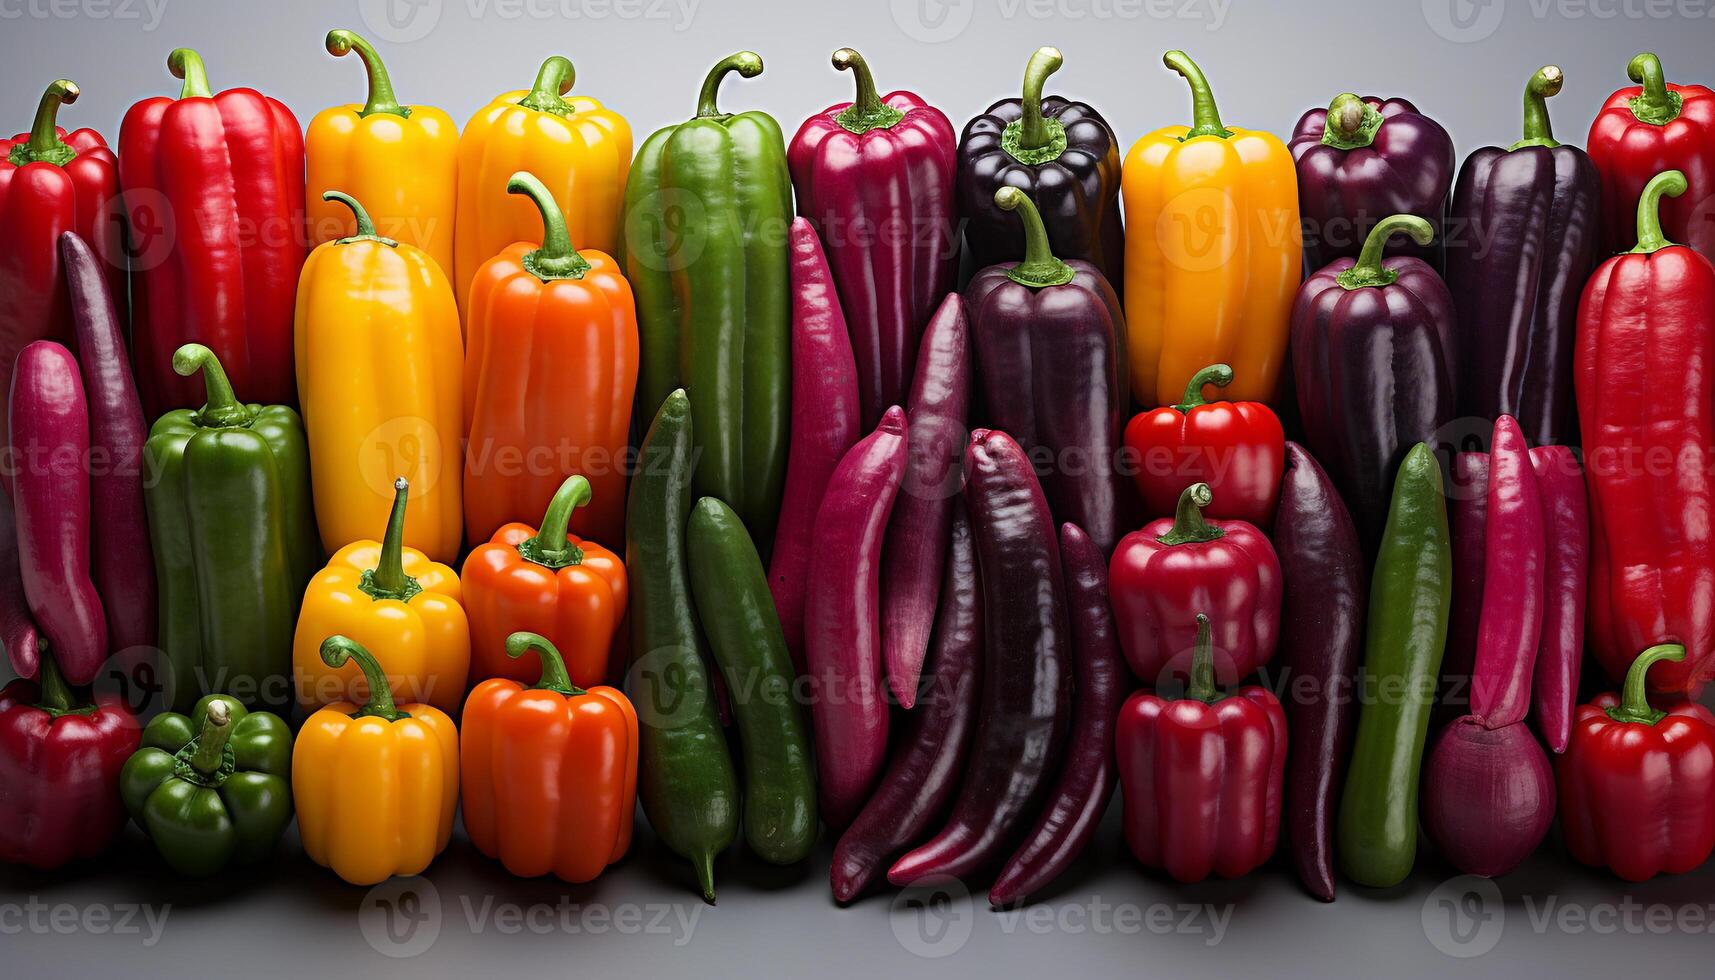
549 771
549 582
401 606
375 786
550 366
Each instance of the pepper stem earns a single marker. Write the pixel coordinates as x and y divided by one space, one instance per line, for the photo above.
187 64
1352 122
1368 270
1543 85
55 697
1655 105
1634 707
210 752
1650 236
220 406
44 144
1039 268
553 80
387 580
1205 118
867 111
554 677
550 547
336 650
748 64
365 224
381 98
1034 139
1189 527
556 258
1202 686
1219 375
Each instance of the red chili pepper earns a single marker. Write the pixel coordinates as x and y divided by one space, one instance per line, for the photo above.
1237 448
1164 578
1637 784
1643 130
1201 774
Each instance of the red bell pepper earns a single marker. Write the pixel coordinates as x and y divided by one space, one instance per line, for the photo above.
214 195
1237 448
1164 578
1637 784
51 182
1643 130
1645 372
1201 774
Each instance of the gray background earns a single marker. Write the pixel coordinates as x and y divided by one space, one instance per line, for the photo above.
1464 63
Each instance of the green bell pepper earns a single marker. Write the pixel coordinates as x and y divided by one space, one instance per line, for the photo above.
213 789
707 209
228 499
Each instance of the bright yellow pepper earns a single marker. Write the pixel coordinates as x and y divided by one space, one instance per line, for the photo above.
380 377
1212 254
375 786
399 160
579 149
405 609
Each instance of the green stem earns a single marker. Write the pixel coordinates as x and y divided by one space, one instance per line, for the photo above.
1543 85
748 64
381 98
550 547
220 406
1189 527
210 752
867 111
365 225
1205 118
187 64
556 259
336 650
387 580
1634 707
553 80
1368 271
44 144
1040 268
1034 139
1655 105
55 698
554 677
1352 122
1650 236
1202 686
1219 375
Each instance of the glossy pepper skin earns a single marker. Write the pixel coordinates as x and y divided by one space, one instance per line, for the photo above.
375 785
52 182
1643 130
1237 448
1049 338
548 772
404 609
380 370
234 538
1062 155
1373 364
1650 313
707 209
1361 159
549 371
548 581
1637 783
212 790
1528 217
1163 578
214 199
570 142
1201 774
1219 288
401 160
875 176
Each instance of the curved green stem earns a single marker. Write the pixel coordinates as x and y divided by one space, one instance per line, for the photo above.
1352 123
336 650
1543 85
1219 375
365 225
550 547
1655 105
1634 707
1650 236
1189 527
1202 686
44 144
1368 271
210 752
748 64
381 98
220 406
387 580
55 698
554 677
1039 268
187 65
556 258
1205 118
553 80
867 111
1034 139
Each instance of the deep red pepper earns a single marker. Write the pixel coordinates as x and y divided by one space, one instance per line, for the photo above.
214 196
1237 448
1560 652
18 635
1648 128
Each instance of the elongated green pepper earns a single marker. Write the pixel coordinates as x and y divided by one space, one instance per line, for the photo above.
1410 592
707 207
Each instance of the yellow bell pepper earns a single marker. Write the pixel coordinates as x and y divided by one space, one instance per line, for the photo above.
405 609
579 149
380 377
1212 254
375 786
401 161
